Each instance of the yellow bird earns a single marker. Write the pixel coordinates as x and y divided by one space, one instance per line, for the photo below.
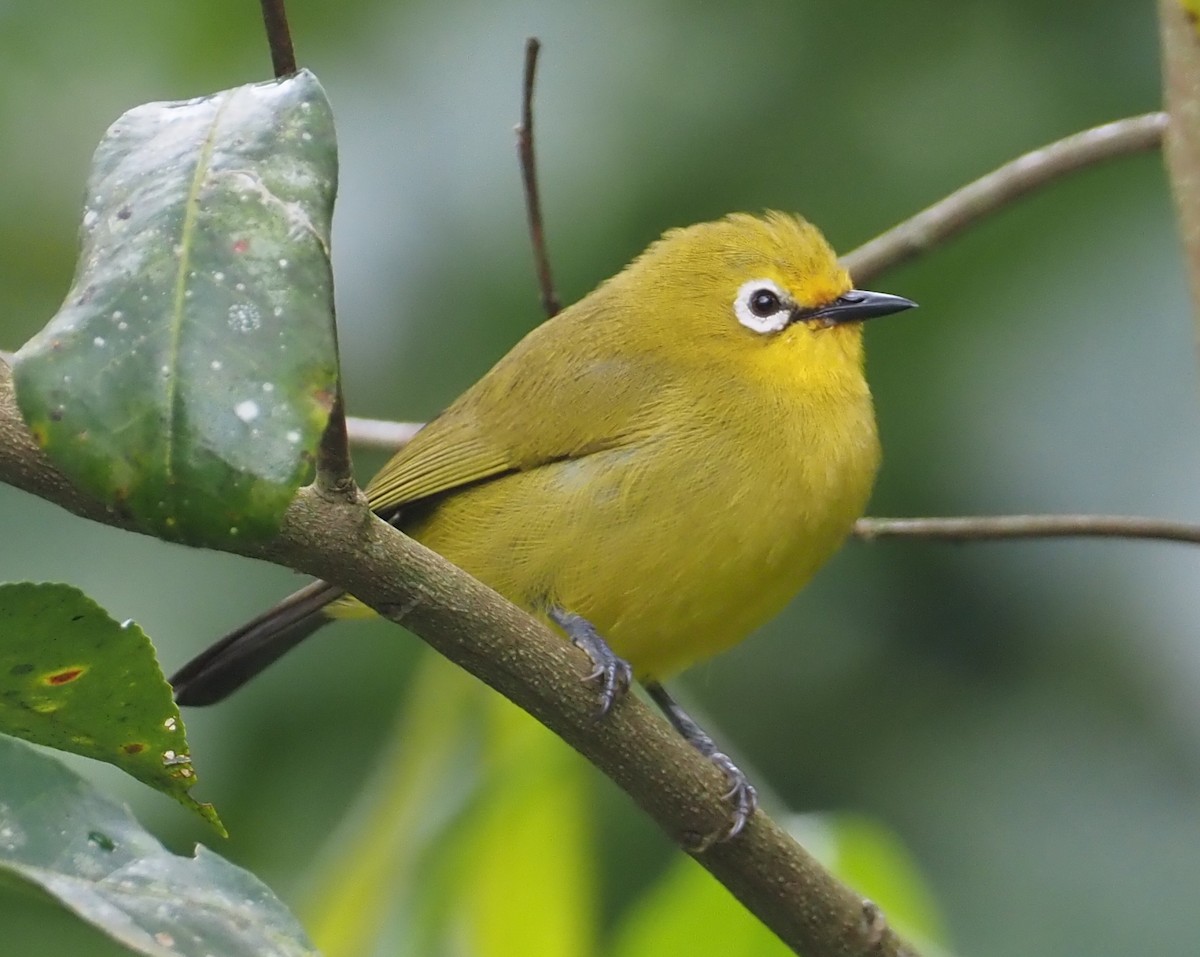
656 470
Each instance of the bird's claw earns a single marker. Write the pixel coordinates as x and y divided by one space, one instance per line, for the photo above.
741 796
612 673
614 676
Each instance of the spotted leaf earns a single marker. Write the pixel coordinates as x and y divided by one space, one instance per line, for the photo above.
72 678
187 377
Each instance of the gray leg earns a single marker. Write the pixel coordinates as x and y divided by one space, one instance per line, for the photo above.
741 794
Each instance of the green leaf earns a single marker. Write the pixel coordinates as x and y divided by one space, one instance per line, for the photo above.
456 851
529 883
61 835
391 853
74 679
688 912
187 377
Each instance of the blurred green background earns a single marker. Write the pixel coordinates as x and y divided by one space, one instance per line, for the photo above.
1024 716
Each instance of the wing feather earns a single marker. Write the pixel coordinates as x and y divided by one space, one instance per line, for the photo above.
532 408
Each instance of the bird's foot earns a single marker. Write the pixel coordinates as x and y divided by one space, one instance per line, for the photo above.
740 796
611 673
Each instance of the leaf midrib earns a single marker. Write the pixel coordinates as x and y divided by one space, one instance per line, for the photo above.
187 232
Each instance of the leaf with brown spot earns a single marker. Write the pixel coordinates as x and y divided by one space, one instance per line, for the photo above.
72 678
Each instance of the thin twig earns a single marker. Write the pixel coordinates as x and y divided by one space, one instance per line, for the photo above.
999 527
378 434
389 436
999 188
533 202
283 56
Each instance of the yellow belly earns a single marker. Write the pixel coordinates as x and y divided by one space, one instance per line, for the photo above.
675 548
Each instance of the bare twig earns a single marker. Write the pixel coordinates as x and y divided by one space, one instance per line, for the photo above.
1002 186
998 527
389 436
533 202
378 434
283 56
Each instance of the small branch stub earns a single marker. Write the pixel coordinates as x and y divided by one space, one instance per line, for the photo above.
335 475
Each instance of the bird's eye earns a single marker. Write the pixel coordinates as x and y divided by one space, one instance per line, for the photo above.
764 303
761 305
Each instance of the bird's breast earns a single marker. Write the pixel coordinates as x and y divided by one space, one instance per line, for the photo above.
679 543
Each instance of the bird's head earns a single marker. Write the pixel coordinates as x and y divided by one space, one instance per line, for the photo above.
768 285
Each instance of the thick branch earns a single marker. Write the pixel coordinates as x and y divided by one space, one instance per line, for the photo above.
331 537
999 188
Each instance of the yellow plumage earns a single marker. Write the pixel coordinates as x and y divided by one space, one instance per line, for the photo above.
646 461
657 469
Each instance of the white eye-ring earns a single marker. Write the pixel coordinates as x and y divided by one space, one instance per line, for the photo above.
761 306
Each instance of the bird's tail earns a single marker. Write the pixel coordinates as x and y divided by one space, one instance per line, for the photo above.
225 666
